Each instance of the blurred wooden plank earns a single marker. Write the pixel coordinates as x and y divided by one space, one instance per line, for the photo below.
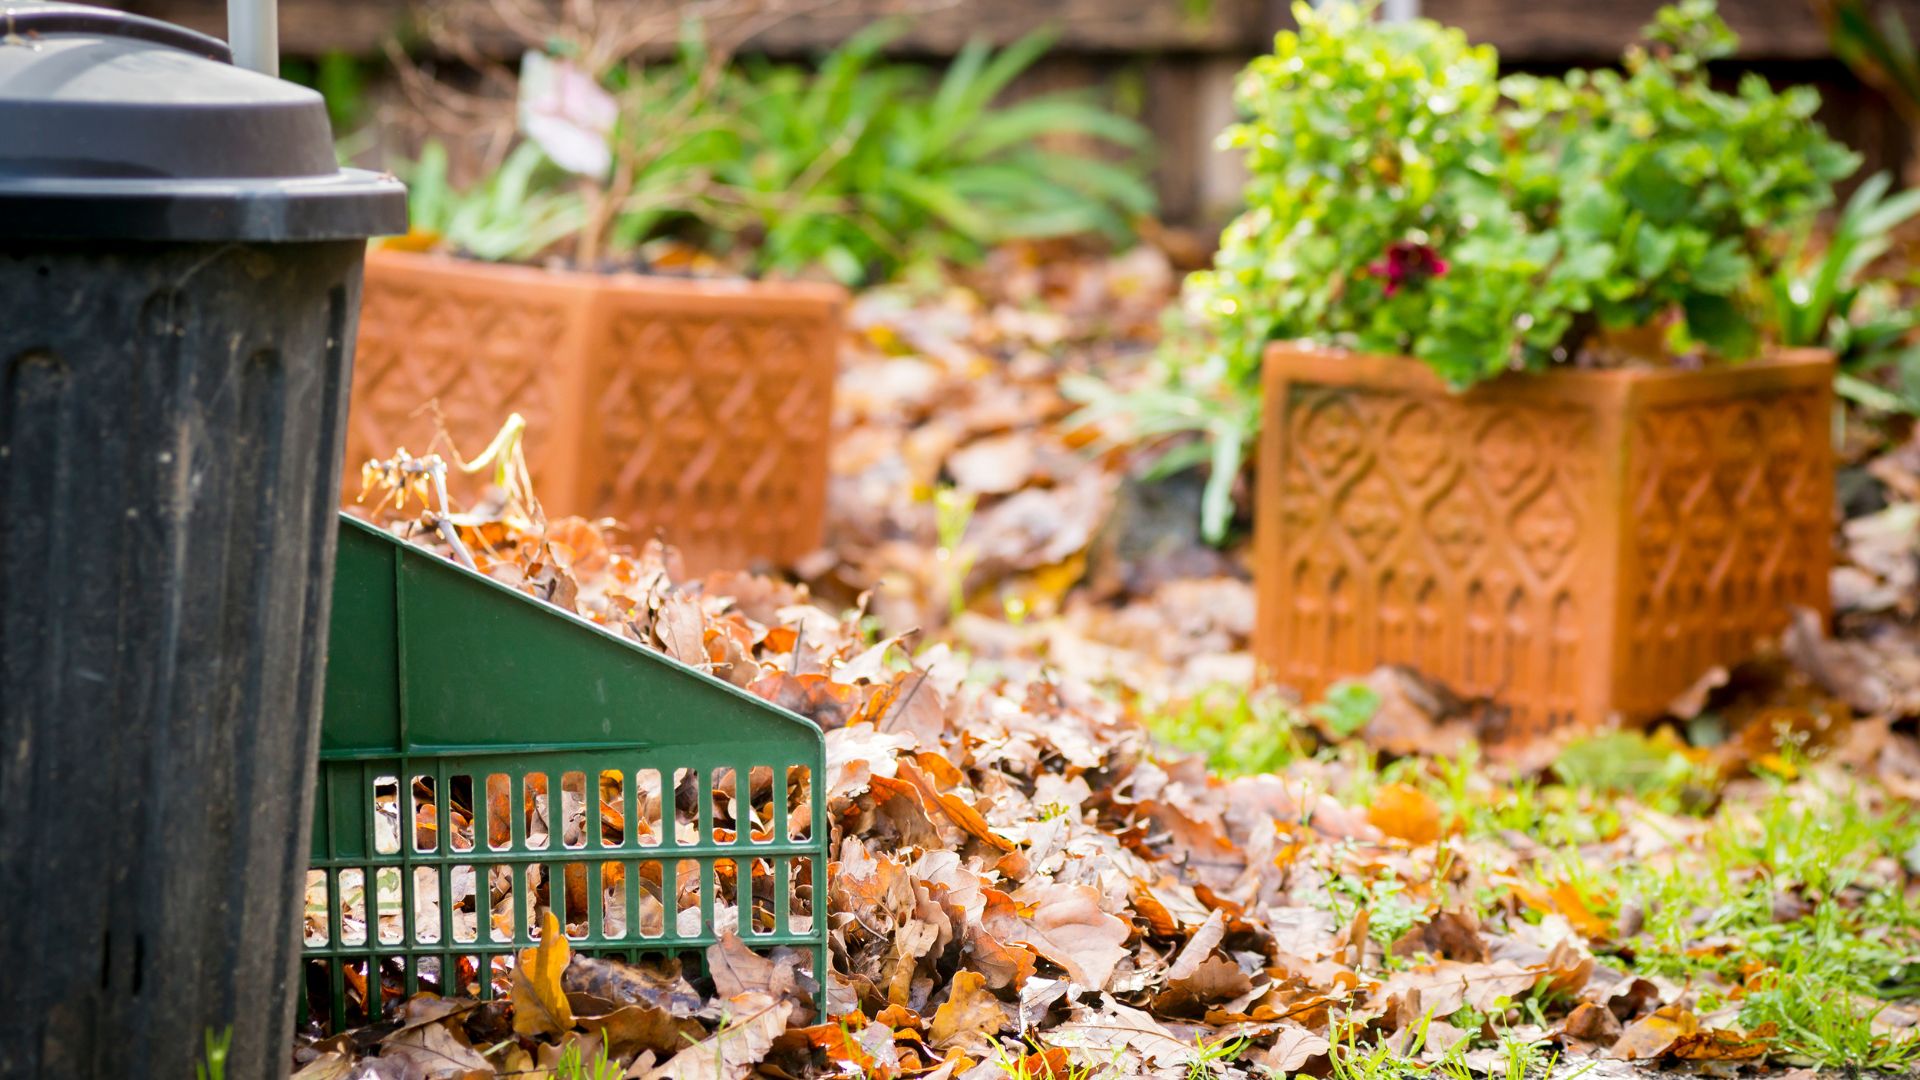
1125 26
1172 106
1551 31
932 27
307 27
1525 31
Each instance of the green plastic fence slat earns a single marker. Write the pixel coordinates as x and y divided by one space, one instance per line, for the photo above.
442 674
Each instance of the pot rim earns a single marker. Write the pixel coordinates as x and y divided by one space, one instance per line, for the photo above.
617 282
1305 360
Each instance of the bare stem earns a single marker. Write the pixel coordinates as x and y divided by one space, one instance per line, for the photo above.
443 520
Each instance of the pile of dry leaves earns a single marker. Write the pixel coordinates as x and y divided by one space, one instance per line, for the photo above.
1024 885
966 498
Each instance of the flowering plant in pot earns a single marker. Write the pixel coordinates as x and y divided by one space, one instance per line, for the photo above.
1531 420
653 275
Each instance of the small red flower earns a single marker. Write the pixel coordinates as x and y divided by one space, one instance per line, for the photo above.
1407 263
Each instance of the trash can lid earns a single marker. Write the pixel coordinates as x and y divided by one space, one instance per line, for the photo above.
115 126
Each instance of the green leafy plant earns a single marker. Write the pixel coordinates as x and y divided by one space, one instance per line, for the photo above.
213 1066
1628 762
573 1065
1829 301
865 166
1346 707
1671 195
1518 1059
1814 299
1405 199
510 215
1197 396
1390 911
651 170
1839 940
1878 47
1209 1055
952 512
860 167
1348 1059
1870 324
1241 734
1359 137
1822 1017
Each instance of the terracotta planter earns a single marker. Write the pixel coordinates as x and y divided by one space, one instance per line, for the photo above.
698 409
1577 545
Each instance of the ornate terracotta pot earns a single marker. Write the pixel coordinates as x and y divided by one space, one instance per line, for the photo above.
1578 545
698 410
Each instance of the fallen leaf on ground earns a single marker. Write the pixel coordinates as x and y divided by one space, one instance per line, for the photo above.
1652 1036
437 1052
1068 926
1405 813
753 1021
632 1028
970 1014
539 999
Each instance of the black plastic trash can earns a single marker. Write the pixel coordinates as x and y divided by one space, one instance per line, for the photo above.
179 283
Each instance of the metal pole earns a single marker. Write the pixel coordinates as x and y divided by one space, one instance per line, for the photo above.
253 32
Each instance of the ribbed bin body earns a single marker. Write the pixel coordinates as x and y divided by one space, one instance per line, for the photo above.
171 422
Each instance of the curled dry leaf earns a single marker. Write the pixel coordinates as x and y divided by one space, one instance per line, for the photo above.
1293 1048
1114 1028
970 1015
539 999
1067 925
1405 813
332 1065
1199 947
682 630
1719 1044
1652 1036
1590 1023
752 1021
1448 935
736 969
437 1052
630 1029
621 983
1217 979
814 696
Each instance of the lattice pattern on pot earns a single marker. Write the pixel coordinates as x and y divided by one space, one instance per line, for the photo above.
436 869
1574 546
1730 512
1443 533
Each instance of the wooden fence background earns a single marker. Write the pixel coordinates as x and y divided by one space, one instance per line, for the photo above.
1175 58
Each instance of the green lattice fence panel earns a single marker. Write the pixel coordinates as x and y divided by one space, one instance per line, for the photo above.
485 756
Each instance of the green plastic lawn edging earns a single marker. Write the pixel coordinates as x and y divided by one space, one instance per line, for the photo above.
447 684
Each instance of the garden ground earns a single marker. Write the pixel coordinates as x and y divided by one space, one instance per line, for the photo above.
1069 842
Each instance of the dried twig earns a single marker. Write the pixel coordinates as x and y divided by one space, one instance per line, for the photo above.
443 520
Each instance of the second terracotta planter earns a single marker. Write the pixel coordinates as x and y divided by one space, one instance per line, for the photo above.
1577 545
698 410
